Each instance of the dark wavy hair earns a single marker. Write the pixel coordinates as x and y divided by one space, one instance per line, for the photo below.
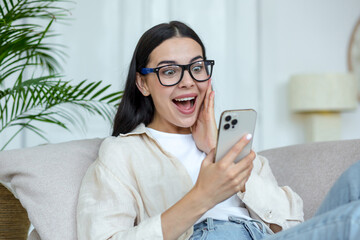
134 107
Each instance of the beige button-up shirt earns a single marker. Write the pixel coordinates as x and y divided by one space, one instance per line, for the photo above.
134 180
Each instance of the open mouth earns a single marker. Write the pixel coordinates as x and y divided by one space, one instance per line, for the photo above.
186 104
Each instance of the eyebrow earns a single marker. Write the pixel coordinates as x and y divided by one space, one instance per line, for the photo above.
173 62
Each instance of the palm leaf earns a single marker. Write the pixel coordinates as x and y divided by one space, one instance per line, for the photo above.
44 98
36 100
19 41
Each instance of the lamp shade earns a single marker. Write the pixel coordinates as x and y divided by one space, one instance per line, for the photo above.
323 92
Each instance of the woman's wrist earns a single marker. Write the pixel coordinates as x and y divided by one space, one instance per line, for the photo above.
181 216
201 202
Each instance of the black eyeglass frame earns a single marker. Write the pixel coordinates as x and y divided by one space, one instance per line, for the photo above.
145 71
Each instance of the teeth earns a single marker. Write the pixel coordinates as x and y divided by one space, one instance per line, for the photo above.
185 99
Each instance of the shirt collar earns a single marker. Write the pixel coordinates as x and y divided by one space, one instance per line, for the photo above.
139 130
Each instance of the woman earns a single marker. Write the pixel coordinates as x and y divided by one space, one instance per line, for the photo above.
156 179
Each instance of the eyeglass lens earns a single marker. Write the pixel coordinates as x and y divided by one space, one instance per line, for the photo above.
170 75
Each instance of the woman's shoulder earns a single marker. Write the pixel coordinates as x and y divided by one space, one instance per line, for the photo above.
114 160
122 148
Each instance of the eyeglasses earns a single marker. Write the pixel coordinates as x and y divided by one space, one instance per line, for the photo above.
171 75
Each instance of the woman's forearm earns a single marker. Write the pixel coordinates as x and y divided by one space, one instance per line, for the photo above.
181 216
216 182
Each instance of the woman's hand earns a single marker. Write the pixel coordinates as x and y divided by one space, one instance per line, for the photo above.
204 130
219 181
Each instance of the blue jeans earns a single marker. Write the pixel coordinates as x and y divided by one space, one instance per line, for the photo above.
235 228
338 218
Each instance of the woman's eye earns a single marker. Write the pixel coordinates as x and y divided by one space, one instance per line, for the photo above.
168 71
196 69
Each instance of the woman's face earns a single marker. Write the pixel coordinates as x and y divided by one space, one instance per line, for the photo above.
176 107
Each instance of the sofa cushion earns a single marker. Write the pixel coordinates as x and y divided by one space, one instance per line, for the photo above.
46 179
311 169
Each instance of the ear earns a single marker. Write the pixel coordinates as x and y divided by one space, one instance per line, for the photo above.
141 84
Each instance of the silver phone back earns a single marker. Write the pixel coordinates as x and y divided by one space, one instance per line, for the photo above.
234 124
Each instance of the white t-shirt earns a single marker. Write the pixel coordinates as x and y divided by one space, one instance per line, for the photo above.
183 147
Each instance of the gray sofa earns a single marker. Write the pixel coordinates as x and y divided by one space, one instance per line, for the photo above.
46 179
311 169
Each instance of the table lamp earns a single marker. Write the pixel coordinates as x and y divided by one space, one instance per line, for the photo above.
320 98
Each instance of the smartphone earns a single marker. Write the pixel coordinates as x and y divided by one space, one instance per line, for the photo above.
233 125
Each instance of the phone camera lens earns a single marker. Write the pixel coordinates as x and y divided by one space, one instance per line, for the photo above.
226 126
234 122
227 118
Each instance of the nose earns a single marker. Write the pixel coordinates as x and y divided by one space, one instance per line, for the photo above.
186 81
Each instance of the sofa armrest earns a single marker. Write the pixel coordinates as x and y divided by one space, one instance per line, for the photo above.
311 169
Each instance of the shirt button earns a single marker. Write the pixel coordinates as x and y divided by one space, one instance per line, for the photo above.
268 214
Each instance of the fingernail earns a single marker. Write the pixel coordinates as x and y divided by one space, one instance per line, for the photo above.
248 136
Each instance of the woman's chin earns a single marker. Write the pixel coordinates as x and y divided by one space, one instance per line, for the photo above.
187 124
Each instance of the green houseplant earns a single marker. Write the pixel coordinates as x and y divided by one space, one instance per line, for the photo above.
31 88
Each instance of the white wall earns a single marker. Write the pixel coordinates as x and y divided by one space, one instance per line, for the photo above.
301 37
257 46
